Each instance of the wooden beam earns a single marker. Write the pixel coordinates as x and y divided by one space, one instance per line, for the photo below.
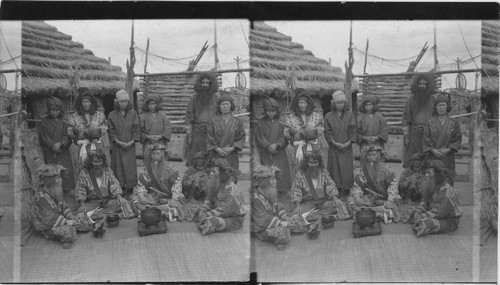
194 72
10 70
414 73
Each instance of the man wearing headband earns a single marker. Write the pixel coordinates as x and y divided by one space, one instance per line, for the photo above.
124 132
375 185
55 142
159 185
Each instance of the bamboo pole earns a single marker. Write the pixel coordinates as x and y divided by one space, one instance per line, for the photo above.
366 56
193 72
147 53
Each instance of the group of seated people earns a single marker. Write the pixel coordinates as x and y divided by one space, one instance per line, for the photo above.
207 195
315 195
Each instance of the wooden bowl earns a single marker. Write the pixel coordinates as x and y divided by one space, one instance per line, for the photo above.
150 216
365 218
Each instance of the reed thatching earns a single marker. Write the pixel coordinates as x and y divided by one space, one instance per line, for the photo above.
49 56
490 43
274 54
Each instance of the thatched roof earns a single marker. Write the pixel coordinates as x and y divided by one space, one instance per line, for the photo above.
490 43
272 54
48 56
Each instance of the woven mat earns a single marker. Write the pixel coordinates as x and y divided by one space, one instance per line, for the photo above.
6 258
489 261
165 257
383 258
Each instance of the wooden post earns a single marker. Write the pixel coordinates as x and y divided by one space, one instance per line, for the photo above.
366 56
129 84
216 57
348 72
109 59
435 48
147 52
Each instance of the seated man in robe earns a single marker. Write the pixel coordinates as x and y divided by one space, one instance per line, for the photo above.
375 185
270 221
441 212
314 192
195 178
159 185
50 217
98 189
224 207
412 177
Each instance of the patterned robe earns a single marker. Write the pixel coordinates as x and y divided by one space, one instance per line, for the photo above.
169 182
384 184
266 220
269 132
97 120
51 131
49 218
313 121
376 125
198 117
413 124
193 180
446 135
221 134
442 216
228 213
157 124
340 164
109 188
123 162
323 200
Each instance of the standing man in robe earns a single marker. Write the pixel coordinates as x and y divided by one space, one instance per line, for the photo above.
124 132
417 112
155 126
270 139
226 133
340 133
55 142
200 110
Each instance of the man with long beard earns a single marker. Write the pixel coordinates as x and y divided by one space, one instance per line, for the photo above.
313 190
440 210
200 110
417 112
270 221
159 185
375 185
98 188
50 217
224 207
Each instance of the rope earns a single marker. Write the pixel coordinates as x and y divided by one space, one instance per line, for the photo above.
385 59
5 43
164 58
243 31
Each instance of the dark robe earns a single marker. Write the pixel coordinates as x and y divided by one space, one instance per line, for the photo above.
340 164
123 162
198 117
376 125
51 131
221 135
269 132
446 135
413 123
155 125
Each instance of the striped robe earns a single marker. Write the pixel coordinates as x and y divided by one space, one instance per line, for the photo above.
266 220
442 216
85 189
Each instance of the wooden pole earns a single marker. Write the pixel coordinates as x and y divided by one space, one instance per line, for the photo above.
147 52
216 57
366 56
129 84
435 48
193 72
414 73
348 72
